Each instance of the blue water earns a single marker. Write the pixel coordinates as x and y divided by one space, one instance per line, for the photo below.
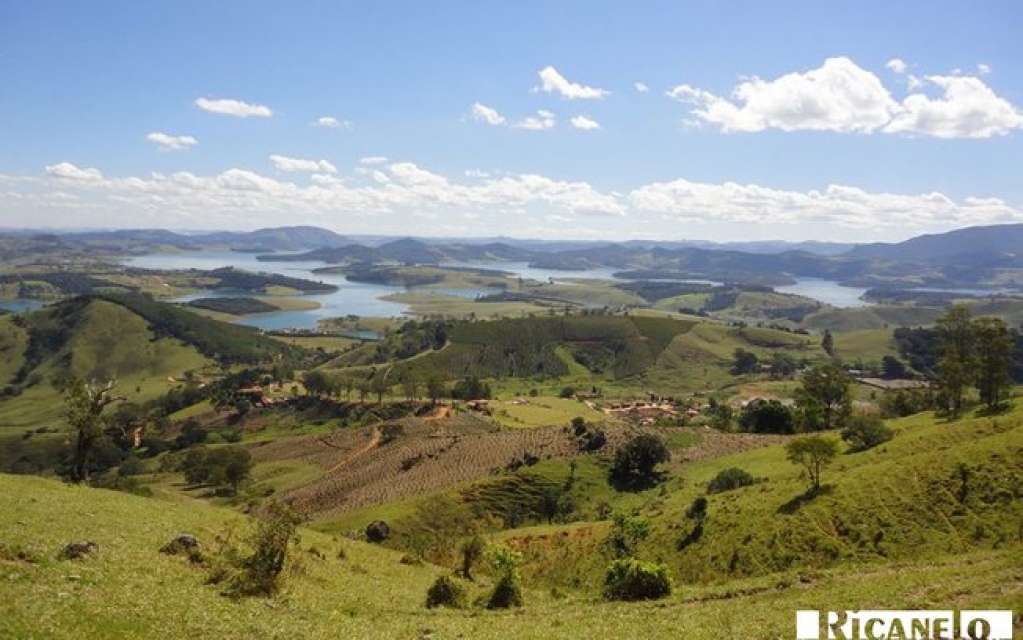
20 306
826 291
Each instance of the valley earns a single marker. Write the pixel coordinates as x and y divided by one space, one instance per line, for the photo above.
499 405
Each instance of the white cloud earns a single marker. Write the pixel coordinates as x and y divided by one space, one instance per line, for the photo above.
487 115
235 108
553 82
983 69
897 66
368 160
284 163
476 173
585 123
68 171
838 96
542 121
640 87
967 108
173 143
330 122
837 205
389 198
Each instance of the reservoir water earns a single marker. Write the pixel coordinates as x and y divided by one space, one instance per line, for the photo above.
364 299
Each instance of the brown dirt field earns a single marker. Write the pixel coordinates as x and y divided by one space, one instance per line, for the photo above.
431 454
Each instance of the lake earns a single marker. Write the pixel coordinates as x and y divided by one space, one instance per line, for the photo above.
352 298
826 291
364 299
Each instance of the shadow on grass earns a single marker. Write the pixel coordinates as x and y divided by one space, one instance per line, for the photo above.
795 504
634 483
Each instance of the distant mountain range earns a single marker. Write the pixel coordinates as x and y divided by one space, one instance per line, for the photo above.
971 257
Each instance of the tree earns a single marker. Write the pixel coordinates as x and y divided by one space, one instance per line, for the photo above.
635 461
892 368
84 403
813 453
782 366
744 362
435 388
824 401
316 383
766 416
956 364
994 348
828 343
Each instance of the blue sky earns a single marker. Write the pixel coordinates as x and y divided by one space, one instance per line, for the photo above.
850 121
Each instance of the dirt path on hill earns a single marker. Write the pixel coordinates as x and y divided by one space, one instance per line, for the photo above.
373 442
441 412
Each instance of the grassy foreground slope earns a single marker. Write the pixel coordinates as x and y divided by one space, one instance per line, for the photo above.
127 589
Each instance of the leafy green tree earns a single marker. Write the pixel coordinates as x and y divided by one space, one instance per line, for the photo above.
994 347
316 383
783 366
435 388
956 364
635 461
828 343
813 453
767 416
824 401
892 368
84 403
744 362
471 388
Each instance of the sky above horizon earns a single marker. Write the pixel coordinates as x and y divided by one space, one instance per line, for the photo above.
666 120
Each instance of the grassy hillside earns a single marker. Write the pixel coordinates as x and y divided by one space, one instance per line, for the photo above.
127 589
89 339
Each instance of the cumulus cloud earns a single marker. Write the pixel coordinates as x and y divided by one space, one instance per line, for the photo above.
838 96
585 123
842 97
542 121
641 87
284 163
983 69
369 160
68 171
844 206
966 108
235 108
391 193
482 113
172 143
330 122
553 82
896 65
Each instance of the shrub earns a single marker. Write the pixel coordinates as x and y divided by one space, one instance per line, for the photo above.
866 432
261 572
445 592
378 531
630 579
507 592
729 479
472 551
